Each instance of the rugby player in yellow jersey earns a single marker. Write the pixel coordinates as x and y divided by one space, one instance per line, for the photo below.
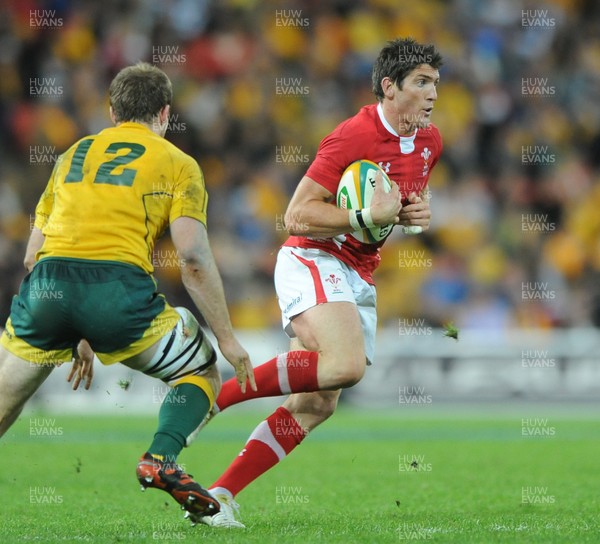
109 198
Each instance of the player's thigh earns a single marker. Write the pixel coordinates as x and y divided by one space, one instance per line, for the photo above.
318 305
334 331
19 379
344 329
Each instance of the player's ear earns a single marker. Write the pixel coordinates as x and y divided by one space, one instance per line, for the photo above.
163 114
387 86
112 115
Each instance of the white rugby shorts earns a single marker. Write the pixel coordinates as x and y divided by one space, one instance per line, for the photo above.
308 277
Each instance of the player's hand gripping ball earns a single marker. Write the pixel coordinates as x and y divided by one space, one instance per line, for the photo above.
355 192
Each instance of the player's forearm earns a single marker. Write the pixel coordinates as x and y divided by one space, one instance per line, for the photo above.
203 283
36 241
317 219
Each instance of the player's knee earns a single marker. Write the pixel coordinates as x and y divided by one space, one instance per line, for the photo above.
349 374
8 416
186 351
351 378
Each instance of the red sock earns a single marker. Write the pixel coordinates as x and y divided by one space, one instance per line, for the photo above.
291 372
268 444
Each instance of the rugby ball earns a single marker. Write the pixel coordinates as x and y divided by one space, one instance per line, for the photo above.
355 191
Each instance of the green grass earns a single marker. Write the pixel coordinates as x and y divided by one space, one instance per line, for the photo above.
351 481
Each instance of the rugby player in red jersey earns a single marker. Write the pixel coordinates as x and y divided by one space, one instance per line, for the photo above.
323 276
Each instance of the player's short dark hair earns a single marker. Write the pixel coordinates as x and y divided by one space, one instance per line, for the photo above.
400 57
139 92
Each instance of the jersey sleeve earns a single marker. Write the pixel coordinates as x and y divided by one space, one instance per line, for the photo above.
333 157
190 198
46 202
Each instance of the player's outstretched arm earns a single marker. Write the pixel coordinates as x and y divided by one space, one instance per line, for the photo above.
312 211
202 281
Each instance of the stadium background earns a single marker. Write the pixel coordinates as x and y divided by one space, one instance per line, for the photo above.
515 238
503 423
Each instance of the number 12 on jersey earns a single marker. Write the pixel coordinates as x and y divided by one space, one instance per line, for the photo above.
104 173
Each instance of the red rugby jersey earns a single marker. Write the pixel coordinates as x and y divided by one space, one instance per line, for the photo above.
408 160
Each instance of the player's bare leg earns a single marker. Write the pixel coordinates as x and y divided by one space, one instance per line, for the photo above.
334 357
269 443
19 379
333 330
311 409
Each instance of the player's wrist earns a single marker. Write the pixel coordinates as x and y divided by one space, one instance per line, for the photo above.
368 218
361 219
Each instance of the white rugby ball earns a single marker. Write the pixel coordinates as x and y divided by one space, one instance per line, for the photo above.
355 191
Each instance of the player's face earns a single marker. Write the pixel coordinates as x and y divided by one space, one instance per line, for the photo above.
413 103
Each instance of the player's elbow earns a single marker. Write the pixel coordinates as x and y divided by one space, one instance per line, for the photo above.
294 223
190 264
193 255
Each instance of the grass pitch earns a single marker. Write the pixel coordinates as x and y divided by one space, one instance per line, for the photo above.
407 475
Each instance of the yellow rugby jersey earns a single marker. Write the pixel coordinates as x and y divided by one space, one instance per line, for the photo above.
111 195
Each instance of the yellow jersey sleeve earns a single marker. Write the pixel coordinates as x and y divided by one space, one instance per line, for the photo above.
189 197
46 202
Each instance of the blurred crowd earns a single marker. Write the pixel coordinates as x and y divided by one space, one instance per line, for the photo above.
515 237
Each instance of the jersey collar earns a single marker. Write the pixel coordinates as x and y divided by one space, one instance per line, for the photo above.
407 143
133 124
384 121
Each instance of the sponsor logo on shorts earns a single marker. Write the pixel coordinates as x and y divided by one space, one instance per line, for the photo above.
293 303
